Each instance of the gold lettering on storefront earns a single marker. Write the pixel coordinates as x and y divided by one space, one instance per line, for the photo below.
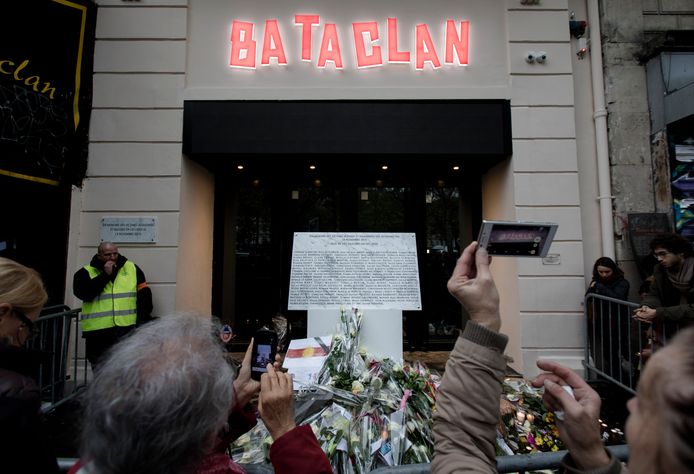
10 68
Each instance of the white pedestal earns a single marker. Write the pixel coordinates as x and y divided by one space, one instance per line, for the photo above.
381 329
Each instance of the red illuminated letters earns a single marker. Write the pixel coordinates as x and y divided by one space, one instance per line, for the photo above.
272 44
330 47
306 22
366 39
242 45
425 51
395 56
363 58
456 41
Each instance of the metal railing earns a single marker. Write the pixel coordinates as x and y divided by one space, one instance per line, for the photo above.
616 345
614 350
505 464
614 340
60 376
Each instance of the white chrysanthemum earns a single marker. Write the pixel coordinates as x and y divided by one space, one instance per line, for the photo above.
376 383
357 387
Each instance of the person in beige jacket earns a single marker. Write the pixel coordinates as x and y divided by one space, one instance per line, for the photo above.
659 429
467 404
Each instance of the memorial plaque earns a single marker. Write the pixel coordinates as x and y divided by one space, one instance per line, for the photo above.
364 270
129 229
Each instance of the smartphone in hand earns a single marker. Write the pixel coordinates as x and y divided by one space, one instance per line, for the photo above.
264 350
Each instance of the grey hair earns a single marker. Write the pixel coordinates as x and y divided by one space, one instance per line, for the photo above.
159 398
670 398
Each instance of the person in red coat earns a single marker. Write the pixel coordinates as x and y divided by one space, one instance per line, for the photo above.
166 400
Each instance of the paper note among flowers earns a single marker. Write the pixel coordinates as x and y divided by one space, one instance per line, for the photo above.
305 358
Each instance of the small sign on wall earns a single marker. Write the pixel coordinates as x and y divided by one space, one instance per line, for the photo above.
129 229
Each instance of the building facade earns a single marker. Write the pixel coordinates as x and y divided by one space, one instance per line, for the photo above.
180 134
648 77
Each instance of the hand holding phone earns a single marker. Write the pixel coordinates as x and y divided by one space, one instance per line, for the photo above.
473 286
264 350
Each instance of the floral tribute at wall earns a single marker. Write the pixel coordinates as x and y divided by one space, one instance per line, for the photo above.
369 412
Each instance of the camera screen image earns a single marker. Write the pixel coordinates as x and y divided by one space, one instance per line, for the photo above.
515 240
262 358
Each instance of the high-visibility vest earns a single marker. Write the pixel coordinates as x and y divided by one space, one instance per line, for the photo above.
117 303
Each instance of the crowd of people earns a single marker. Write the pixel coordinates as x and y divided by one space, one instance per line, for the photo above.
618 344
659 428
164 398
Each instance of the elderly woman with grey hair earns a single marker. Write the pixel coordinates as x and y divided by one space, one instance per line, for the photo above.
166 401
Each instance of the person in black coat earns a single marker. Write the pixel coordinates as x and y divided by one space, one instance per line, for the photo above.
608 280
609 323
109 263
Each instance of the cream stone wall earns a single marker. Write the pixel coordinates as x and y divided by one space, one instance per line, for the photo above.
136 167
547 318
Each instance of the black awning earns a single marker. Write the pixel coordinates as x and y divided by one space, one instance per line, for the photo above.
479 129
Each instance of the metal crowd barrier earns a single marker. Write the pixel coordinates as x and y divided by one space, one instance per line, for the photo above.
614 349
617 346
60 376
505 464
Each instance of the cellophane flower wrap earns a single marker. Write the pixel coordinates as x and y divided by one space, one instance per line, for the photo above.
526 426
252 447
387 426
366 412
369 412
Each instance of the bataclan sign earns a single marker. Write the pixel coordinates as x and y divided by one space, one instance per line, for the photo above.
365 44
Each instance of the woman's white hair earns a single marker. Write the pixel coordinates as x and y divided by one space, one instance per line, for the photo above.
158 399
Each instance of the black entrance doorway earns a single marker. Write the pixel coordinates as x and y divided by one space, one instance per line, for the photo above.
283 166
34 230
259 208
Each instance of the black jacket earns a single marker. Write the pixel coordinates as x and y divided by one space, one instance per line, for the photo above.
23 443
86 288
618 288
670 313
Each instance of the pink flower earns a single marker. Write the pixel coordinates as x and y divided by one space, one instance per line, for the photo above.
531 440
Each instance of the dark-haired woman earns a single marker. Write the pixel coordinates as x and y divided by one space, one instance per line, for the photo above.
608 325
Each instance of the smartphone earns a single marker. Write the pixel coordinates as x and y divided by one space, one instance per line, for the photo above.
517 239
264 350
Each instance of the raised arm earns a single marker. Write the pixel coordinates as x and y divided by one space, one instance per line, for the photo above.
467 405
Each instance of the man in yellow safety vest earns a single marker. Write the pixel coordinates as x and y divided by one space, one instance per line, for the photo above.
115 297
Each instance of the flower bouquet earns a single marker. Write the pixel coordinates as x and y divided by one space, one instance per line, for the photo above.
366 412
252 447
369 412
526 426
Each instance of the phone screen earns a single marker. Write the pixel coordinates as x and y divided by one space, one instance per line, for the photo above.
264 349
262 358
